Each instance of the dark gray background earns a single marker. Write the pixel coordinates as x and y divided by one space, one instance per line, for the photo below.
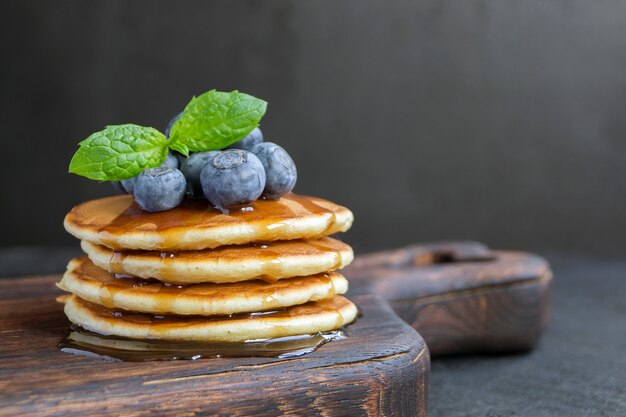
496 120
499 121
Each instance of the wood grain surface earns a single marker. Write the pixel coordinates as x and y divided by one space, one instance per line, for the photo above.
460 296
380 369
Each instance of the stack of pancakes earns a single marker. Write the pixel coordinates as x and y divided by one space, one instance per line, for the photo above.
263 271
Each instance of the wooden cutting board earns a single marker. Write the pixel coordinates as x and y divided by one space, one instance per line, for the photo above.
460 295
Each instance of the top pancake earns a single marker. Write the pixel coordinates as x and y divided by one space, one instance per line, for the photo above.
119 223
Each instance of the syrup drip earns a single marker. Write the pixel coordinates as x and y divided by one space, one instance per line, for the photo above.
332 291
337 260
85 343
167 269
312 207
107 293
272 263
117 262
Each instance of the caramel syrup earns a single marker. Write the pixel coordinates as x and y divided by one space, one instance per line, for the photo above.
113 348
268 218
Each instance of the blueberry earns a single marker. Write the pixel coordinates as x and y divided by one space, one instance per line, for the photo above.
159 189
192 167
233 177
253 138
168 129
171 161
280 169
119 187
129 184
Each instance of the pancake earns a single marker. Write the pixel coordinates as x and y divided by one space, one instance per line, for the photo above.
313 317
270 262
119 223
98 286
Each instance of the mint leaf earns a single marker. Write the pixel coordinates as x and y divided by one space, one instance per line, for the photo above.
214 120
119 152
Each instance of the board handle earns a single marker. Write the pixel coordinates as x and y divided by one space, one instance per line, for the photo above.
461 297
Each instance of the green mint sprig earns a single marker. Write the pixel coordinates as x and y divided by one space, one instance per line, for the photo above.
214 120
209 122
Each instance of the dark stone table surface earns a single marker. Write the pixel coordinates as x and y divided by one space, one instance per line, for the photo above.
578 368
